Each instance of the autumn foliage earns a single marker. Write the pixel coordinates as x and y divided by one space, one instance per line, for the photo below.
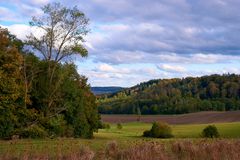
25 107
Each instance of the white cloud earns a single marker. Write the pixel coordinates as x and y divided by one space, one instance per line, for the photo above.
40 2
106 68
176 34
213 58
114 27
110 69
171 68
22 30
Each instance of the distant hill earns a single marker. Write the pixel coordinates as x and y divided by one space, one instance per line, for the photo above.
175 96
105 90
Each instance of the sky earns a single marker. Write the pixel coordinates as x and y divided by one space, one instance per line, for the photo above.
132 41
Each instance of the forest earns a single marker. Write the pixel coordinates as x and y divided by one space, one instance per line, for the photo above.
175 96
41 92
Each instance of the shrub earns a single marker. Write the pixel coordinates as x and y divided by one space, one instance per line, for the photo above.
6 123
159 130
104 126
210 131
147 133
56 126
32 132
119 126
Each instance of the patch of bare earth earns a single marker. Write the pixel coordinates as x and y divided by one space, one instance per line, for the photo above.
191 118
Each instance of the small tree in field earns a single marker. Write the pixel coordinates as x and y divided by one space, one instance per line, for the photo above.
159 130
210 131
119 126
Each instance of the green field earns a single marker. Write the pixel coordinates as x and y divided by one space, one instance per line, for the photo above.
130 134
135 130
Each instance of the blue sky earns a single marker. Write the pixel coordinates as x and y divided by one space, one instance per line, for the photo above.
137 40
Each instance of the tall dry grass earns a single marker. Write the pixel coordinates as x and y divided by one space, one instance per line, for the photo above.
176 150
206 150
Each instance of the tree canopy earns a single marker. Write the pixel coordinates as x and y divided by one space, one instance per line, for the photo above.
44 95
176 96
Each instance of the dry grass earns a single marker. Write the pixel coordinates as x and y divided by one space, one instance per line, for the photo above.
173 150
206 150
45 152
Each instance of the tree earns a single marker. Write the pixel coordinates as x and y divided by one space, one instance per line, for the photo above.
11 87
176 96
119 126
210 131
24 95
212 90
63 30
159 130
62 36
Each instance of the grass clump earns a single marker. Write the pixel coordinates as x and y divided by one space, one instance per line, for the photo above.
159 130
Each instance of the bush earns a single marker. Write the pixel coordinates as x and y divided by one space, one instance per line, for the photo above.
6 123
210 131
119 126
32 132
104 126
159 130
147 133
56 126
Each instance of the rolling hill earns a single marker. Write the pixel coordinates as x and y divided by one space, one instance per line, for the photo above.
175 96
105 90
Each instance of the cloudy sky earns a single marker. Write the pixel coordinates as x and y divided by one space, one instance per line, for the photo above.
137 40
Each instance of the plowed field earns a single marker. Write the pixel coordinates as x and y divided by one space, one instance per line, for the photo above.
191 118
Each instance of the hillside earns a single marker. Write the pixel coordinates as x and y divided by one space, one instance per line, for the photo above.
105 90
175 96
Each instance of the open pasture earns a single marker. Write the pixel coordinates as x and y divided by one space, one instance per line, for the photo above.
127 137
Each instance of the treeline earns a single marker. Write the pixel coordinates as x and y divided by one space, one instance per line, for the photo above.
44 97
176 96
105 90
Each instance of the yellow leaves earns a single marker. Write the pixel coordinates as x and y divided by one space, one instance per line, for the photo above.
10 69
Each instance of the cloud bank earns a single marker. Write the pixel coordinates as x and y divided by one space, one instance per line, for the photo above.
145 39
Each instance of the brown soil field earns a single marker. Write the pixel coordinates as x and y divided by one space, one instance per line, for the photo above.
191 118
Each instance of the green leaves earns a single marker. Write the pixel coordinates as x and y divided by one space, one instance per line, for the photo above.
41 98
176 96
80 50
210 131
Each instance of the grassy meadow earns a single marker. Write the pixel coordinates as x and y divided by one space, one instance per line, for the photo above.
130 135
134 130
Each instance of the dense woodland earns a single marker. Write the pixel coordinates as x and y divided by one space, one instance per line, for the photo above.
176 96
41 92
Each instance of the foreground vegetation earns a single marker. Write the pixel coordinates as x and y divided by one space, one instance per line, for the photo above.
173 150
128 143
41 92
